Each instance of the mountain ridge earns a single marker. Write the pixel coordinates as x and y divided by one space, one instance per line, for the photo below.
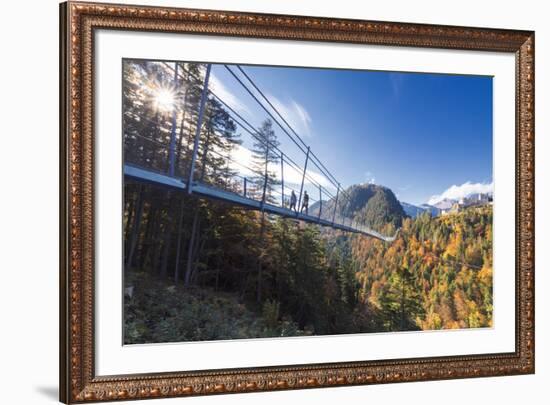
371 204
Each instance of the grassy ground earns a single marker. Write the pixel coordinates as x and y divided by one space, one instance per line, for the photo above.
159 311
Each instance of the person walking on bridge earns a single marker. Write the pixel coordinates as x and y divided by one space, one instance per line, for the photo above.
305 203
292 201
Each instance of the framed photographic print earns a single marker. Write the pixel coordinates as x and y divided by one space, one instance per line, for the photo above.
260 202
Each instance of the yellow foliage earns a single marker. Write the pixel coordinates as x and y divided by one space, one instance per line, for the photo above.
453 294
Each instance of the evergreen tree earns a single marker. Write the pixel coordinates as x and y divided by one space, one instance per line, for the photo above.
265 154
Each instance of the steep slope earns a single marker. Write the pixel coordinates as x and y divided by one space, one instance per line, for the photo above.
371 204
439 270
415 210
434 211
411 210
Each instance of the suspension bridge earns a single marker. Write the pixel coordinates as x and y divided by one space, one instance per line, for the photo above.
241 184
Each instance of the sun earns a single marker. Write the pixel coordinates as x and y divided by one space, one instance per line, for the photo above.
161 96
164 99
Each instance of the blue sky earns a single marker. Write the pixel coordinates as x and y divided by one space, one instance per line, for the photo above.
418 134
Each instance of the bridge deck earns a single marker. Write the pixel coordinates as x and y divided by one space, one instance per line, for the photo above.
223 195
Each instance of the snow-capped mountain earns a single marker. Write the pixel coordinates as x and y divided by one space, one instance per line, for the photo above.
415 210
411 210
446 205
431 209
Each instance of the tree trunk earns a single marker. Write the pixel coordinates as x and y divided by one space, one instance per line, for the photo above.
260 269
281 261
190 249
178 245
205 153
129 209
158 242
167 240
155 146
184 114
135 229
166 252
197 255
403 303
218 264
145 253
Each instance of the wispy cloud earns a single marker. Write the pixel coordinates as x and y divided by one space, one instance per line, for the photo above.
370 179
294 113
396 81
456 192
242 159
217 86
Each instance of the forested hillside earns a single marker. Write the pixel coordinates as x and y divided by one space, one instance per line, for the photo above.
284 283
437 274
370 204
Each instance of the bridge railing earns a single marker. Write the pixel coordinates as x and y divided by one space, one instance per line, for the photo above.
166 142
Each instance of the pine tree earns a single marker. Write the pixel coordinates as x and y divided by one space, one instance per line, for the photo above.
265 154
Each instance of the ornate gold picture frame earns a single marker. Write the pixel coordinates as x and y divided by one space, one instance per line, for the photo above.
79 381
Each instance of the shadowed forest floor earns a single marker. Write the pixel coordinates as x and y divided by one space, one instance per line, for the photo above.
159 311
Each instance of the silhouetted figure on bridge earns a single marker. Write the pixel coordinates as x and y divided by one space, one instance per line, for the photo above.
305 203
292 201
